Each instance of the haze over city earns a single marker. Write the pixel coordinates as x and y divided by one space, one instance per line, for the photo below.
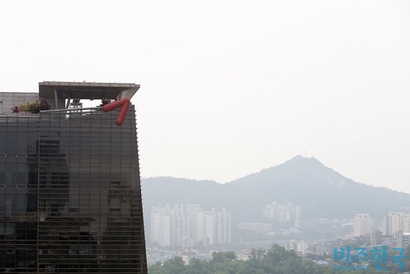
232 87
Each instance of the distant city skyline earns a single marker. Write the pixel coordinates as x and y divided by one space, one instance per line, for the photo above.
230 88
187 226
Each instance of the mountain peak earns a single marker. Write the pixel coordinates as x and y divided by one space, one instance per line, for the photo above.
299 162
298 169
303 159
320 192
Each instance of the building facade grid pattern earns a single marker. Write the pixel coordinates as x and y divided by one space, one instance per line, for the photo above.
70 195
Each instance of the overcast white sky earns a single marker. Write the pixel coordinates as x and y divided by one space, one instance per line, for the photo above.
231 87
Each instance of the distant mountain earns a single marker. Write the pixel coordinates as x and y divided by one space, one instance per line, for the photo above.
320 192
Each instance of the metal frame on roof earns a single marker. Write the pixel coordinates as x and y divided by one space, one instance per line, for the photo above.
86 90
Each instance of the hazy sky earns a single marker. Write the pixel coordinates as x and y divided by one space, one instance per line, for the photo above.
231 87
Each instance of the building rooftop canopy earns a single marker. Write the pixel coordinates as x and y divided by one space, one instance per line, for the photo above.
86 90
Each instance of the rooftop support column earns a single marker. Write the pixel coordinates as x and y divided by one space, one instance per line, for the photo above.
56 98
68 102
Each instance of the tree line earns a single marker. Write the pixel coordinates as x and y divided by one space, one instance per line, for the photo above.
276 260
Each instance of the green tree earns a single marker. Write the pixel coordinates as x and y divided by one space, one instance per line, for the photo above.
256 256
221 257
172 266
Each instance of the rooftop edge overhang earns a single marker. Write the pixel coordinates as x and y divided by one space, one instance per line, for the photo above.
86 90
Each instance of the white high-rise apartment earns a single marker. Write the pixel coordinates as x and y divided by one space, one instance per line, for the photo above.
161 225
402 239
155 225
209 227
406 223
362 225
281 212
299 247
395 222
198 230
223 227
191 220
406 240
302 247
176 226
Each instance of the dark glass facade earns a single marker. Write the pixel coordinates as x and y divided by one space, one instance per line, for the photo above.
70 195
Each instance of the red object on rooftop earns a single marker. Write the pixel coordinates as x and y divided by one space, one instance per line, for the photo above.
124 104
123 112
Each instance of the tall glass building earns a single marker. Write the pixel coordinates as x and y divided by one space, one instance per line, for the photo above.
70 192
